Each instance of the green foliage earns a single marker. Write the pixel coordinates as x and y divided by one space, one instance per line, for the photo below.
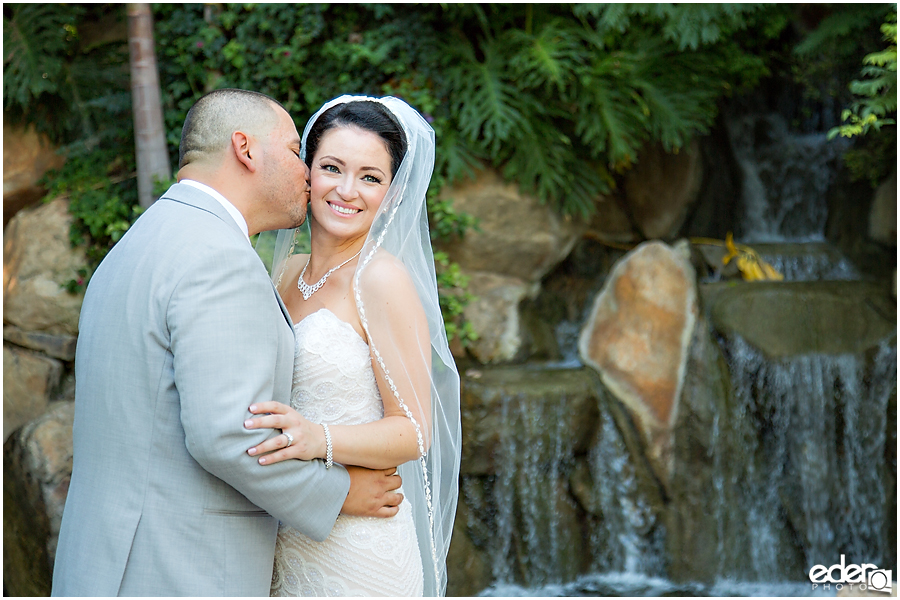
564 104
827 58
100 186
453 298
877 93
75 88
560 106
36 41
874 157
559 97
69 87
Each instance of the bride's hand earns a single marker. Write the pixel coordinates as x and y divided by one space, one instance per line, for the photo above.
309 438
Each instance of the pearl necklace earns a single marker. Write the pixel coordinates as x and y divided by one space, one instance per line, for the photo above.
309 290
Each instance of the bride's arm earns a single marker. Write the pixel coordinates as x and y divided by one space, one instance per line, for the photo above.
397 324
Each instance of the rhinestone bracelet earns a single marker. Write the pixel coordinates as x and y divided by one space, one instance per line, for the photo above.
328 452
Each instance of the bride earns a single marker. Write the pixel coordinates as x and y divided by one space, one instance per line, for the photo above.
374 382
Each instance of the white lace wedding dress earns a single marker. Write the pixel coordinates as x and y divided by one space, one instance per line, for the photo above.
364 556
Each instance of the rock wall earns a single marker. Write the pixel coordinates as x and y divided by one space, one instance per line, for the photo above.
518 240
37 466
40 317
39 336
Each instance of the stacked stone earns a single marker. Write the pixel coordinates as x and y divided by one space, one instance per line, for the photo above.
40 327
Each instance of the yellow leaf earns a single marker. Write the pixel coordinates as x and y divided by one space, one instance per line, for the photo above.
749 268
732 251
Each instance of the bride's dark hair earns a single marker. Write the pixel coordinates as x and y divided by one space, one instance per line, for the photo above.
367 115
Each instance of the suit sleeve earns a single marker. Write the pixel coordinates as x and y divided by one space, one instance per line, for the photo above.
224 322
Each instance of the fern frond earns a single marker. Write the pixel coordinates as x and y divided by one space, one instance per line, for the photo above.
35 46
611 120
547 164
551 59
485 105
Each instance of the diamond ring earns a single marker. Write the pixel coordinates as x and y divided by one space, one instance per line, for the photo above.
289 437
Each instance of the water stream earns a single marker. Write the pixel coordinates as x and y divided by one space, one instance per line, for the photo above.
786 179
819 424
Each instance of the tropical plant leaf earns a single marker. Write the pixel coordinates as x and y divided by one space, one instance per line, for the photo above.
36 41
549 60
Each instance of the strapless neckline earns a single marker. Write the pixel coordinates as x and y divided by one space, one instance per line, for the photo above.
335 318
334 383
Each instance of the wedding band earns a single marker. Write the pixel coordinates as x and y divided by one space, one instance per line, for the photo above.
289 437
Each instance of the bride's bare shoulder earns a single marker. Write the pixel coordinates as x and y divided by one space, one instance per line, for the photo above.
387 280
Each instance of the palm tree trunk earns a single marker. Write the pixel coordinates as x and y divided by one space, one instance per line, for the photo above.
149 128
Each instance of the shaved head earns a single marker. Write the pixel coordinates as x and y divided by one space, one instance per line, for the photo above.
214 117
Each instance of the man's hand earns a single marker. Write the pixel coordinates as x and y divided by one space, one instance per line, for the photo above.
372 493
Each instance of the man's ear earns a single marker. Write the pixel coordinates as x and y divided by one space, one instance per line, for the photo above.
245 150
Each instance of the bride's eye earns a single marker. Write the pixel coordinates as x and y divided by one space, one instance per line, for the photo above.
371 179
330 168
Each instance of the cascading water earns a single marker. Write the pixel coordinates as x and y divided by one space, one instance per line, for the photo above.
786 179
625 545
820 436
625 541
534 456
817 262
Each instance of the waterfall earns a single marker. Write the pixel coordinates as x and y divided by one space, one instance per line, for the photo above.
815 265
534 458
625 540
820 434
797 471
786 177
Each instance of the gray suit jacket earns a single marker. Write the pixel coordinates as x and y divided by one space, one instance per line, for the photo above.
181 330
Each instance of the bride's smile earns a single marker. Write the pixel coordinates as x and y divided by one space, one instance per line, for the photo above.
343 210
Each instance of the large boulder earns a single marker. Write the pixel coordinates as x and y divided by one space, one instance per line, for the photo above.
37 467
38 260
784 319
27 155
518 235
662 187
637 337
494 315
610 224
29 380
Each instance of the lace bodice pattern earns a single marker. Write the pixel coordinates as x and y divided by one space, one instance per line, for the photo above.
364 556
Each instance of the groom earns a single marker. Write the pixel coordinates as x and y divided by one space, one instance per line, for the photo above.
181 330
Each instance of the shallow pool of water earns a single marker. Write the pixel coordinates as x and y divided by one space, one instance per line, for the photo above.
635 584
